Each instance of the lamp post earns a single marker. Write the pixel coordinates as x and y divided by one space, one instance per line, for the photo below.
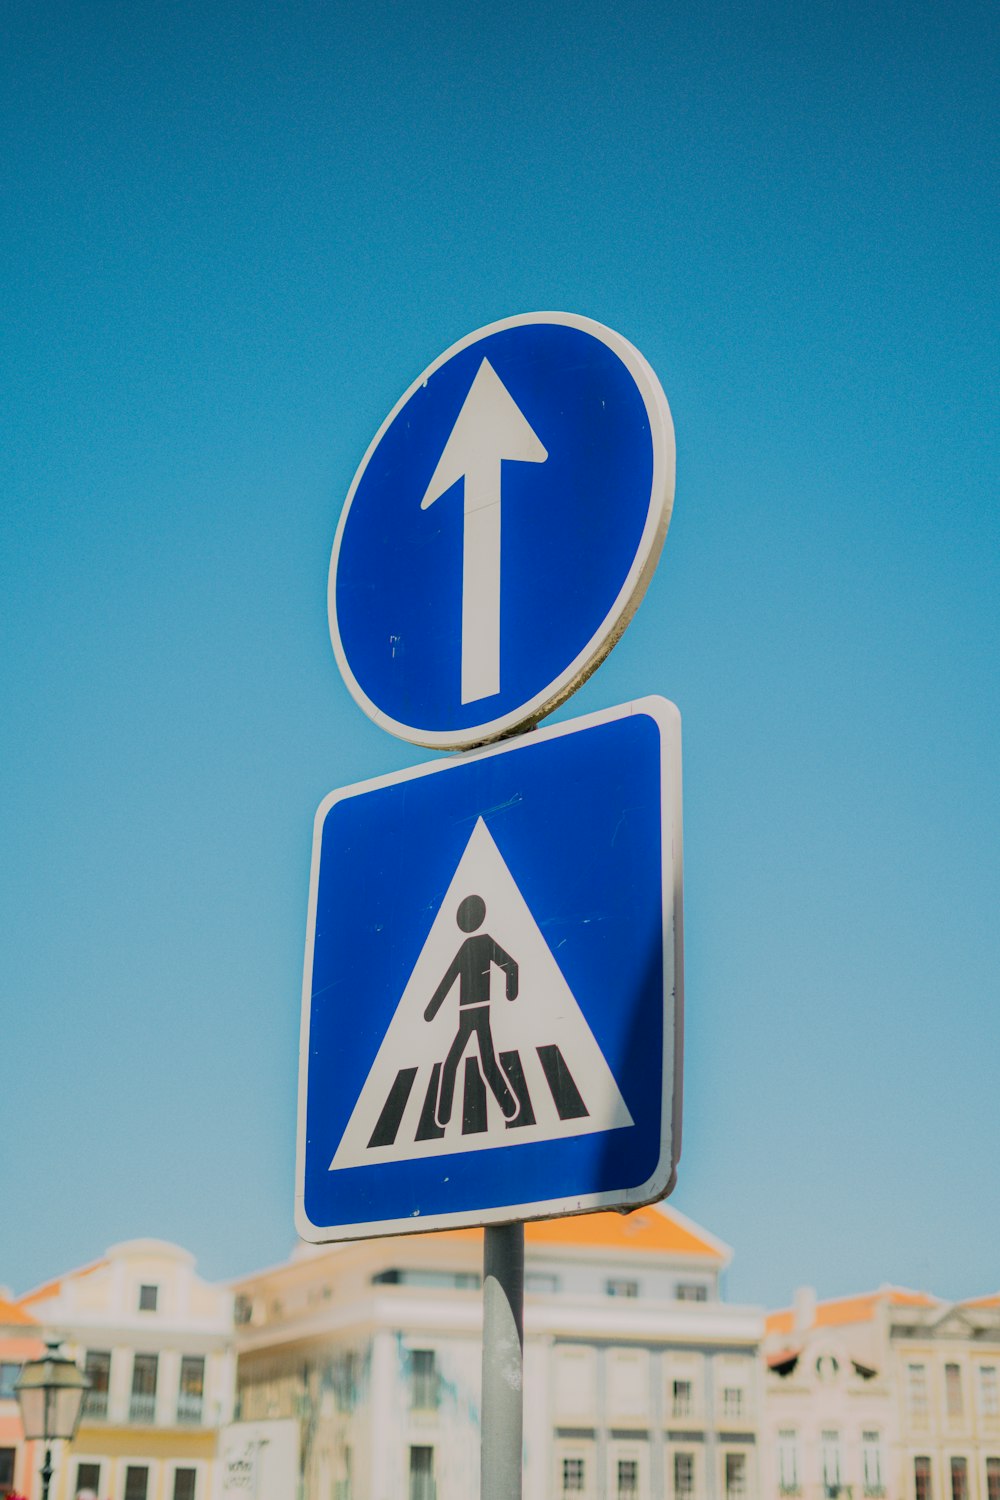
50 1394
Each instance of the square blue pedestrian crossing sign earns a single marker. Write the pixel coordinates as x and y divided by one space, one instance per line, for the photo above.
492 999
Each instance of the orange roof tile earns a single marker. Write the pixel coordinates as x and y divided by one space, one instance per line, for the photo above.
991 1301
645 1230
653 1230
840 1311
43 1293
843 1310
11 1315
52 1288
899 1297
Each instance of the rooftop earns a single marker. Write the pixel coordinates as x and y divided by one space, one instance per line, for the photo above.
839 1312
12 1315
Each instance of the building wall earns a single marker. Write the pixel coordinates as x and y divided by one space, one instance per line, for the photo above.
902 1389
143 1303
377 1349
18 1460
828 1426
947 1380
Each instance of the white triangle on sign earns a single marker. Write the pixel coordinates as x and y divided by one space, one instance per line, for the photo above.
546 1064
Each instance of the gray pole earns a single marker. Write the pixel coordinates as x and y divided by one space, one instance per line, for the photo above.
503 1362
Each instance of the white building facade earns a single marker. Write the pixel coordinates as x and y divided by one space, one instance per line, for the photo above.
639 1381
830 1428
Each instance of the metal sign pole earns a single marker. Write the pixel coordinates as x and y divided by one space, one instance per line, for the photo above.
503 1362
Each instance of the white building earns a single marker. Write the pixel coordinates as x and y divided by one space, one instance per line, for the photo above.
639 1381
829 1427
156 1342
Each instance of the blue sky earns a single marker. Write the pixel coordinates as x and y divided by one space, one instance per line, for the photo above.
232 236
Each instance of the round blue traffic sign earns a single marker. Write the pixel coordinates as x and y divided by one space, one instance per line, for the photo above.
501 530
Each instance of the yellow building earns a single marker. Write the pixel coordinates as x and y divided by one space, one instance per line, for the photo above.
892 1394
156 1342
946 1362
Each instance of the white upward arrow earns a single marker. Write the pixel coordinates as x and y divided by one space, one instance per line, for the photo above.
489 428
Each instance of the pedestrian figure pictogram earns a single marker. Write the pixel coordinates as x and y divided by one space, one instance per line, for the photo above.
493 1018
471 967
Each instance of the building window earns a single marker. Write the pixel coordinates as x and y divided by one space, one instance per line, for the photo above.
959 1479
88 1477
736 1476
621 1287
871 1463
993 1479
422 1485
683 1402
830 1450
7 1456
142 1403
922 1478
989 1391
424 1384
460 1281
97 1368
147 1298
683 1476
136 1482
574 1476
732 1402
192 1389
788 1461
184 1484
541 1283
691 1291
628 1479
953 1390
8 1374
916 1389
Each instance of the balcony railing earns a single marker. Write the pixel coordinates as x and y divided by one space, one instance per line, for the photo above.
95 1406
189 1410
142 1409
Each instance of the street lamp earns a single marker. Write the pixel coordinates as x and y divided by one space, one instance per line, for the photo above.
50 1394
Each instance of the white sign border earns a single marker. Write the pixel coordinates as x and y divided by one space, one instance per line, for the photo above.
630 595
661 1182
